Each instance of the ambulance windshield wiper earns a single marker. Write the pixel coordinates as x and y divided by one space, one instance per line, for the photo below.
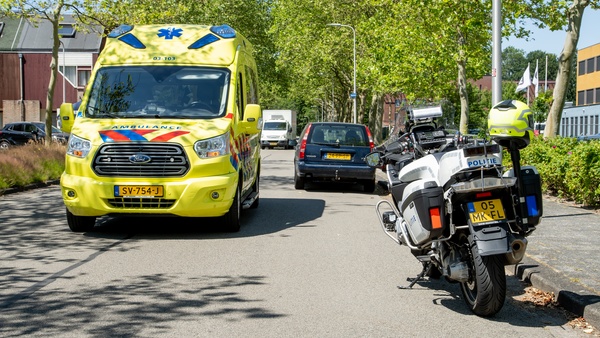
99 113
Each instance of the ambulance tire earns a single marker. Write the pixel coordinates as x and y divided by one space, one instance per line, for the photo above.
231 220
80 223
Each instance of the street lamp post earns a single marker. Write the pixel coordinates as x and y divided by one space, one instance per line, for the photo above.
353 95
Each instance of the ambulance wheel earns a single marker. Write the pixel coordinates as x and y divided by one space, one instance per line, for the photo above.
80 223
231 219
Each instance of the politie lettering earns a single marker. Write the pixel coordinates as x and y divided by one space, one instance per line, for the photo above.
484 161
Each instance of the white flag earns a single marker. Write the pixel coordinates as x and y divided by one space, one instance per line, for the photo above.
525 81
535 79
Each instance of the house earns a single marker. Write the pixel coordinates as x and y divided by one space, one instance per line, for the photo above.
25 56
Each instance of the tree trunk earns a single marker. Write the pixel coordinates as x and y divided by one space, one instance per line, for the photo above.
55 19
464 97
376 123
462 84
575 14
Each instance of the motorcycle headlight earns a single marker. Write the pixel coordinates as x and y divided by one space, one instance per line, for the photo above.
213 147
78 147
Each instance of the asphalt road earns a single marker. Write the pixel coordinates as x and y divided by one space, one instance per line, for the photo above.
311 263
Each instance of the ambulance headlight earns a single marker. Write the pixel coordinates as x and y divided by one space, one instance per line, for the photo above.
78 147
213 147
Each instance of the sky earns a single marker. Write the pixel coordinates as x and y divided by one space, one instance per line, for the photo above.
553 42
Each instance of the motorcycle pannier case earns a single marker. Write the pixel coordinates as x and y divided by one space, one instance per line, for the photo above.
422 209
532 192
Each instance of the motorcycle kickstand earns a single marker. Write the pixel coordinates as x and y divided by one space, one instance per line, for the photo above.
426 269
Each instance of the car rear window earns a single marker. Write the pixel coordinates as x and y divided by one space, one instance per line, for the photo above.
349 135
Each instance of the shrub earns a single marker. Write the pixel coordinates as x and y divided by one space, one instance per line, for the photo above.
31 163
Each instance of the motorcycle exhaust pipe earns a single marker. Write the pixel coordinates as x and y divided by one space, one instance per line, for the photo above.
517 250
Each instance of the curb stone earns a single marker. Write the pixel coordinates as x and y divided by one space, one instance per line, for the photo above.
570 296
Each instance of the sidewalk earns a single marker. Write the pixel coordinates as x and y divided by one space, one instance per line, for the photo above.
562 257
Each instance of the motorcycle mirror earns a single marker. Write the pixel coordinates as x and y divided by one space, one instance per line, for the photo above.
373 160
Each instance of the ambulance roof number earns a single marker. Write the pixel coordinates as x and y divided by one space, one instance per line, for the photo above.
163 58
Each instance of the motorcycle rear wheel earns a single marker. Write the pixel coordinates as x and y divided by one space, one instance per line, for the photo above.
485 291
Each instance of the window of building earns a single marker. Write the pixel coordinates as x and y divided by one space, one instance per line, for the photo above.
598 63
580 97
77 76
66 30
590 65
581 68
597 95
83 76
589 96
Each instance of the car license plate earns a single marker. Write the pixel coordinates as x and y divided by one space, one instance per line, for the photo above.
273 143
337 156
486 211
139 191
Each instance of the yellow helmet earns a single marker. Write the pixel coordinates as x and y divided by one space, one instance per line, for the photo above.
511 122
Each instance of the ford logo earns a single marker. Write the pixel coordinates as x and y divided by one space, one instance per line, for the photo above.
139 158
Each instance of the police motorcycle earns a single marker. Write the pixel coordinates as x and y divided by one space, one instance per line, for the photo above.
462 214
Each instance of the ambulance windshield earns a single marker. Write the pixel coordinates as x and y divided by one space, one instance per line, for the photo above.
158 91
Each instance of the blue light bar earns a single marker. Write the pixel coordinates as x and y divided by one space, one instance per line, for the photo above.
122 29
223 31
203 41
131 40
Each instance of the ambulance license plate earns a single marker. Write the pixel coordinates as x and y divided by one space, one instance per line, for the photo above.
486 211
337 156
139 191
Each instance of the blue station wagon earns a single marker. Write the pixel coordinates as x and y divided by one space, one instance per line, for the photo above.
334 152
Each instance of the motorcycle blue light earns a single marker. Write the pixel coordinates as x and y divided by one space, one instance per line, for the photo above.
532 209
122 29
131 40
223 31
203 41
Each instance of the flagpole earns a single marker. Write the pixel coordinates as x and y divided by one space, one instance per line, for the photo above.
528 87
546 80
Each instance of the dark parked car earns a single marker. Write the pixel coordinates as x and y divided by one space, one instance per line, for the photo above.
588 137
334 152
18 133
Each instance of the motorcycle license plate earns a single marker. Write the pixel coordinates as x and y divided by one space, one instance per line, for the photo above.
486 211
139 191
337 156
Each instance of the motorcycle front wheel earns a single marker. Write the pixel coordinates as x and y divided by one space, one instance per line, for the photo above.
485 291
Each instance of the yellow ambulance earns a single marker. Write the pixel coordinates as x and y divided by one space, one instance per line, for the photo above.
169 124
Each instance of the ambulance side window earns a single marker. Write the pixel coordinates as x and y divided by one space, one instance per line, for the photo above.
240 96
251 86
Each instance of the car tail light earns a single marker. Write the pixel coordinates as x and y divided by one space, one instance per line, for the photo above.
303 144
371 144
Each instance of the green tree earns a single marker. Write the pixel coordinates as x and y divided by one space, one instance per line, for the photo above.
514 63
573 14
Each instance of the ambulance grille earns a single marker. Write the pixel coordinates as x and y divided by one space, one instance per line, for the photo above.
148 159
141 203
